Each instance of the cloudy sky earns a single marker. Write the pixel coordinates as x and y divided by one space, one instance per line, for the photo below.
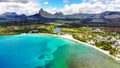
30 7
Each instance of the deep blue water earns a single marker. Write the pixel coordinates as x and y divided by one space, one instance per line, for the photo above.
42 51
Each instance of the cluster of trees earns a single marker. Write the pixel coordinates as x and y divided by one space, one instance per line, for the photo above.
105 45
76 36
9 30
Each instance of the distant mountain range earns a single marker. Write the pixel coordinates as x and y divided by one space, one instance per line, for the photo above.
44 15
12 16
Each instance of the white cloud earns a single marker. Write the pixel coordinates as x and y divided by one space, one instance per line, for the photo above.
22 1
46 3
92 6
28 8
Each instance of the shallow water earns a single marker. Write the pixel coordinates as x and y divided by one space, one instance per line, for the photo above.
41 51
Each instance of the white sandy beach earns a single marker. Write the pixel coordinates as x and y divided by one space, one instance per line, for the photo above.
68 36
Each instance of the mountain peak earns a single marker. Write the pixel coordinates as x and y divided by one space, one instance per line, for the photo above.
59 13
41 10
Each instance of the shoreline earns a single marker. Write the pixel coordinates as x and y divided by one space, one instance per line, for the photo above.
69 37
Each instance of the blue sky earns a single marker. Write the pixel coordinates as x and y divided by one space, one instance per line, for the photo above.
58 3
30 7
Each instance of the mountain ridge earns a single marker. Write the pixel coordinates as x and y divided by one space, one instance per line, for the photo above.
59 15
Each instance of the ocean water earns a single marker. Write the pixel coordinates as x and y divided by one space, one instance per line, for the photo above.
42 51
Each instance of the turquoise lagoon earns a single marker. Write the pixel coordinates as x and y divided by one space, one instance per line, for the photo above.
43 51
